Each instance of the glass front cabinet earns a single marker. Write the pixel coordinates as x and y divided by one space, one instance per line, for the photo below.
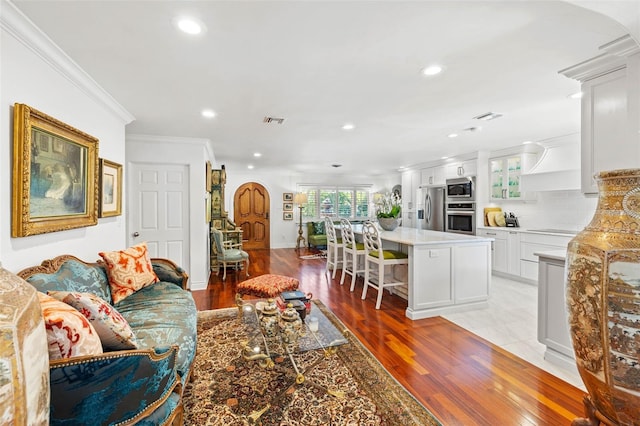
505 176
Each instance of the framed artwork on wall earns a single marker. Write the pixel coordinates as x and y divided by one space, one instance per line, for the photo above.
110 188
287 215
55 175
287 207
287 196
207 170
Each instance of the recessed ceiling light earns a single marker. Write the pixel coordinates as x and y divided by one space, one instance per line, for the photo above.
432 70
527 142
444 158
208 113
348 126
189 25
257 154
250 166
452 135
577 95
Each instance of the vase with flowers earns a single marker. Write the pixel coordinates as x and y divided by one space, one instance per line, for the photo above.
388 210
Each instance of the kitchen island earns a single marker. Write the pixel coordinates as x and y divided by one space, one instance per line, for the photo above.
447 272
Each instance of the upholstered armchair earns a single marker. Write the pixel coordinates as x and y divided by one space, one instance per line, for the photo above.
229 252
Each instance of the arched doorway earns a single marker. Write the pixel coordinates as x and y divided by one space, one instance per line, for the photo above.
251 213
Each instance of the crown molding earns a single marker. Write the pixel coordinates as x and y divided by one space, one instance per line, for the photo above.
136 137
614 57
20 27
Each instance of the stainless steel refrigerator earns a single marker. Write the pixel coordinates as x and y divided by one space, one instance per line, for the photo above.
431 208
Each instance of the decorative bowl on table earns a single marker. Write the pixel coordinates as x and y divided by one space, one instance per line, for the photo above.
388 223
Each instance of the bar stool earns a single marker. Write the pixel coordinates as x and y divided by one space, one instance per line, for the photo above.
381 258
334 246
353 254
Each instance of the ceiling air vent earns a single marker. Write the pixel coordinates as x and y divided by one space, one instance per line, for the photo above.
273 120
488 116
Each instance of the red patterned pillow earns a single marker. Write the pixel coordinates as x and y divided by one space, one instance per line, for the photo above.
128 270
114 331
69 333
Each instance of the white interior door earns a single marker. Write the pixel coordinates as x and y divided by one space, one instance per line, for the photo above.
158 210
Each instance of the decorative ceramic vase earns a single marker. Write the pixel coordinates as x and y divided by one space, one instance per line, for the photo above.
603 299
269 319
290 325
388 223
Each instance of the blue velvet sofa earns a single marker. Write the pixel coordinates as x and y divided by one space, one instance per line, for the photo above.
141 386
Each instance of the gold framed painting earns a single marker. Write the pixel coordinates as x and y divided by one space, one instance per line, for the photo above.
110 188
207 171
55 175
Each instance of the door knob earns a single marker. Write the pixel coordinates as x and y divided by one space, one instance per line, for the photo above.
136 234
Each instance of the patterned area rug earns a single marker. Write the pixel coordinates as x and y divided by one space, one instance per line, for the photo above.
321 255
227 390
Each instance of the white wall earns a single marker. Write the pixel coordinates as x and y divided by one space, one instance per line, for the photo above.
35 72
193 153
285 232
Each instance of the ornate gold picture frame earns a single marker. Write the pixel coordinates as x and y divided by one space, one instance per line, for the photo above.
55 175
110 188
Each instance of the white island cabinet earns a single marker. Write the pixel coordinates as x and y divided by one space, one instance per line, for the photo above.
553 317
447 272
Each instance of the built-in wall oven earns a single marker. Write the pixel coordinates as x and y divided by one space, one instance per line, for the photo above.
461 218
460 206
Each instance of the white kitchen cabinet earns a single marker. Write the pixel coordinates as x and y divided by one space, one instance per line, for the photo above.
531 243
504 176
433 176
553 317
610 109
604 128
410 184
461 169
498 248
468 286
505 250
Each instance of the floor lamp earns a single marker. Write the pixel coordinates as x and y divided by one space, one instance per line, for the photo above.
300 199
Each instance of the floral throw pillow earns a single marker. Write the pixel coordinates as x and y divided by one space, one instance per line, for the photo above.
114 331
128 270
318 228
69 333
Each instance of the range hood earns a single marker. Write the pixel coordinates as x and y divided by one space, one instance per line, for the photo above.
558 168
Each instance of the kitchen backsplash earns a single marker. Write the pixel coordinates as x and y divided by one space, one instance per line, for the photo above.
568 210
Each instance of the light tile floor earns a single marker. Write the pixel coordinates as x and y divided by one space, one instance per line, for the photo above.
511 322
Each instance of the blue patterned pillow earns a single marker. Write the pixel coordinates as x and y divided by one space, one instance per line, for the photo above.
318 228
74 276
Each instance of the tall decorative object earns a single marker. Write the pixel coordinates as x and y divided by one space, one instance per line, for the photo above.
603 298
24 356
219 216
300 199
290 325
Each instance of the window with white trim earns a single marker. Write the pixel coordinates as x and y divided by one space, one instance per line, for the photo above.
350 202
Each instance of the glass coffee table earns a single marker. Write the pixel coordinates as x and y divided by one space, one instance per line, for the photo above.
271 352
262 348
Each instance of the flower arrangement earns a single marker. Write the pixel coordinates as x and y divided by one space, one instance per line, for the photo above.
388 205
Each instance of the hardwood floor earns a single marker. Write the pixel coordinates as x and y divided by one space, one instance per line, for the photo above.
461 378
